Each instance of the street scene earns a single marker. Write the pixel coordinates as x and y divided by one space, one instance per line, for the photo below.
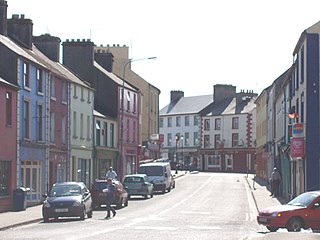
206 205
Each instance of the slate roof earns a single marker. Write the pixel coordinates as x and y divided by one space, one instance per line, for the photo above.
187 105
8 83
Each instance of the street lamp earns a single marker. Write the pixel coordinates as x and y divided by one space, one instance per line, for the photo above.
122 109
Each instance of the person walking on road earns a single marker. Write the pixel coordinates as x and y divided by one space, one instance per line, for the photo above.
111 174
110 190
275 182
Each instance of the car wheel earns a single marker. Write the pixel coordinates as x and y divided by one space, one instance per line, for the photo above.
315 230
272 229
294 225
174 185
126 202
146 196
83 214
151 194
119 204
89 214
45 219
169 189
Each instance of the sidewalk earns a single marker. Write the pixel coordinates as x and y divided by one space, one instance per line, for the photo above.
259 190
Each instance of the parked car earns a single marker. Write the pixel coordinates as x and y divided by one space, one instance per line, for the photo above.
301 212
68 199
99 197
159 174
138 184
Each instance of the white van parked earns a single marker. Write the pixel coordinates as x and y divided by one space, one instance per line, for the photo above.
159 174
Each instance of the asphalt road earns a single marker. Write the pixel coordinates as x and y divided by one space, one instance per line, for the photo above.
202 206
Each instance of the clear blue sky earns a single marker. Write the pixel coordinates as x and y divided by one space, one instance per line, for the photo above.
247 43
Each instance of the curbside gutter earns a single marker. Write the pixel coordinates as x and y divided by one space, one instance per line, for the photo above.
20 224
254 199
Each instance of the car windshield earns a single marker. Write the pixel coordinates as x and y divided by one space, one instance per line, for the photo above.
99 186
133 180
152 170
65 190
303 200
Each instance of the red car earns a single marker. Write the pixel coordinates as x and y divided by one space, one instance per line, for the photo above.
301 212
99 197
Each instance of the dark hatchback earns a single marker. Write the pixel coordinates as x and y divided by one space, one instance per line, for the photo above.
99 197
68 199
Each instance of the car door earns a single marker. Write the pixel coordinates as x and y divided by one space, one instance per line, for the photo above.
313 214
86 196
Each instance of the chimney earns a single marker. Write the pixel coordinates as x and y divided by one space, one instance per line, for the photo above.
79 57
223 91
48 45
176 95
105 59
3 17
20 30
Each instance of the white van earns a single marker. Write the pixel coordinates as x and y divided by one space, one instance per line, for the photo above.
159 174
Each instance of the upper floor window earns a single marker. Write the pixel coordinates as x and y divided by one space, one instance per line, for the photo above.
302 64
134 103
40 122
235 123
26 119
63 130
64 92
105 134
82 94
186 121
52 88
89 96
217 124
195 121
75 91
39 81
26 80
217 142
52 127
161 123
195 138
207 124
186 139
169 122
89 128
74 129
235 139
81 126
169 139
134 131
8 108
178 121
98 132
128 101
206 141
111 135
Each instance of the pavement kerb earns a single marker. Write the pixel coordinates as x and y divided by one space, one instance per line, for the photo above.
254 198
20 224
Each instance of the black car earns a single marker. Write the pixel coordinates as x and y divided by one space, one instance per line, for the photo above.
68 199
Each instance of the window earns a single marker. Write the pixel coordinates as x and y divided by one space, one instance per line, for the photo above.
214 161
151 102
52 127
134 128
217 124
207 141
81 126
207 124
98 133
186 121
186 139
302 64
63 130
195 138
128 101
169 121
75 91
229 161
134 103
89 126
89 96
26 119
9 108
235 123
74 129
161 123
39 81
302 108
52 88
26 80
235 139
178 121
105 134
4 178
217 141
127 130
40 123
195 121
64 92
169 139
82 94
111 135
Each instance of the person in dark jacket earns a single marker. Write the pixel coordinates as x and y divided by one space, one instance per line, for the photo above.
275 182
111 191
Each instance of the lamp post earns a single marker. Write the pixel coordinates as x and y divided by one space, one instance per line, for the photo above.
122 110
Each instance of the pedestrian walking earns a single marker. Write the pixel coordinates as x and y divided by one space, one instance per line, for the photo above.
111 191
111 173
275 182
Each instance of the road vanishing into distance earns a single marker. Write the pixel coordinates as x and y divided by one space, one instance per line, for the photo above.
202 206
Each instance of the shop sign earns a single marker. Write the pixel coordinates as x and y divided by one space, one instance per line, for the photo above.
297 130
297 147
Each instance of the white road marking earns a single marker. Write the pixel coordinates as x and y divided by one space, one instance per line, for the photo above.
206 227
154 228
193 212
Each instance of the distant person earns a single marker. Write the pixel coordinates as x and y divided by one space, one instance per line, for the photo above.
111 174
111 191
275 182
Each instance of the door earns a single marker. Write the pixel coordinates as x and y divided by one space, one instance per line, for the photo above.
31 179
